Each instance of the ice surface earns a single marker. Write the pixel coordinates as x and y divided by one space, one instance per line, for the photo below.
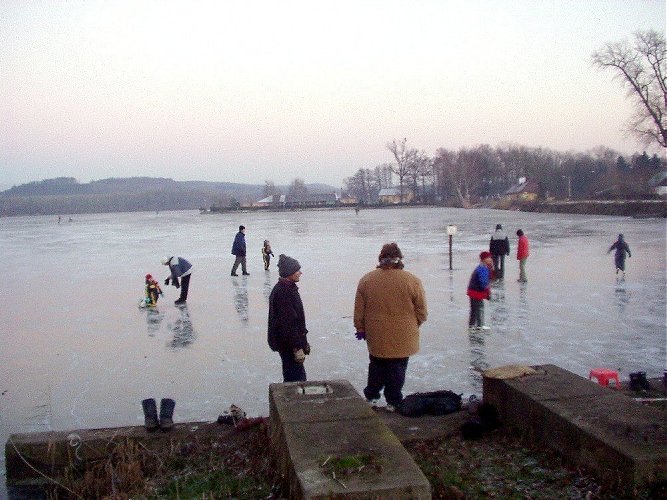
77 352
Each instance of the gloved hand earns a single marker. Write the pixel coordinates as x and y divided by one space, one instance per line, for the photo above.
361 335
299 356
176 283
306 350
166 282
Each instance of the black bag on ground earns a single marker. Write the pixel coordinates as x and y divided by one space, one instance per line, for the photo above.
430 403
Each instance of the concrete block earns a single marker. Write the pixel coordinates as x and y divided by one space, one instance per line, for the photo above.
590 425
311 426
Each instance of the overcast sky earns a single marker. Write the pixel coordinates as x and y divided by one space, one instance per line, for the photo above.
253 90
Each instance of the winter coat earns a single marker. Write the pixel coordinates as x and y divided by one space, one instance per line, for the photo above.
238 248
287 321
390 305
500 243
179 267
522 250
478 287
621 248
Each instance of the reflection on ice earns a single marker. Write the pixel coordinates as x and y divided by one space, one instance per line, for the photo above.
184 333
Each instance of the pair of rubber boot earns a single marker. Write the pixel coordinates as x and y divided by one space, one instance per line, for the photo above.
639 382
166 418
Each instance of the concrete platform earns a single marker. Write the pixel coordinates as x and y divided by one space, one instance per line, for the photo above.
313 423
600 428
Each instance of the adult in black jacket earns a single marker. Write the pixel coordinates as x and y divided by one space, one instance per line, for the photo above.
499 246
287 321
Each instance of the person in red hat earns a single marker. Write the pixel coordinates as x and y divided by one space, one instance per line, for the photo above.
153 290
478 290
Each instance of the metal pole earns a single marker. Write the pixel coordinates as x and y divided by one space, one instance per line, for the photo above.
450 252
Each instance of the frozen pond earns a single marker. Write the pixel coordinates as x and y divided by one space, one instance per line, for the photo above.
77 352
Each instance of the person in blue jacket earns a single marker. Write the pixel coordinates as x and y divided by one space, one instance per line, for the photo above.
479 290
621 248
238 249
179 268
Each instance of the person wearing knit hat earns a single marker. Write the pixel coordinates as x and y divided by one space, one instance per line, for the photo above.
287 333
179 268
499 246
389 308
478 290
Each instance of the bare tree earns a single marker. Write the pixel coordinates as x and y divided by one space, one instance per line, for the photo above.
297 190
270 189
642 69
404 158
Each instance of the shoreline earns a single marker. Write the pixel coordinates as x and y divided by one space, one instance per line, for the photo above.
639 209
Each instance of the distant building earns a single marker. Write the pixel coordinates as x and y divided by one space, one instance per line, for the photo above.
524 190
392 196
658 183
311 200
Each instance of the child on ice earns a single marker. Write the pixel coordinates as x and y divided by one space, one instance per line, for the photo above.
267 253
152 290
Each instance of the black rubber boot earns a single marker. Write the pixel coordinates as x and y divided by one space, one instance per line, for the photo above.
150 414
167 413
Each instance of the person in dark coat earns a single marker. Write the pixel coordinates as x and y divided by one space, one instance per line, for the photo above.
238 249
478 290
499 246
179 268
621 248
287 333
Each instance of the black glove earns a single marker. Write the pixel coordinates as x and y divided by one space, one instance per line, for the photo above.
176 283
166 282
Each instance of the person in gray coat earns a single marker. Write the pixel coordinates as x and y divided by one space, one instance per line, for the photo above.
179 268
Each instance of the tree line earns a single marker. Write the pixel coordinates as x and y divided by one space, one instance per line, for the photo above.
467 175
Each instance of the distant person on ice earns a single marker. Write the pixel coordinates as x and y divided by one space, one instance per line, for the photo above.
238 249
179 268
522 252
267 253
478 291
499 246
621 248
389 308
287 333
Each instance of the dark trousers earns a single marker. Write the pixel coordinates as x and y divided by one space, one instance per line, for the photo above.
185 284
293 371
240 259
476 312
387 374
499 266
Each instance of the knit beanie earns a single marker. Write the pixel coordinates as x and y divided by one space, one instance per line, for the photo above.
287 266
485 255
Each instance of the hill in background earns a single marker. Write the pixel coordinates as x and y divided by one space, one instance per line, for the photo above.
65 195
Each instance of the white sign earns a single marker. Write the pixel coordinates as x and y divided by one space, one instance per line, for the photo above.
451 230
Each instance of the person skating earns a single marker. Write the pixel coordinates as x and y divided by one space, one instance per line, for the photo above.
622 249
499 246
287 332
522 252
267 253
179 269
239 250
479 290
389 308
